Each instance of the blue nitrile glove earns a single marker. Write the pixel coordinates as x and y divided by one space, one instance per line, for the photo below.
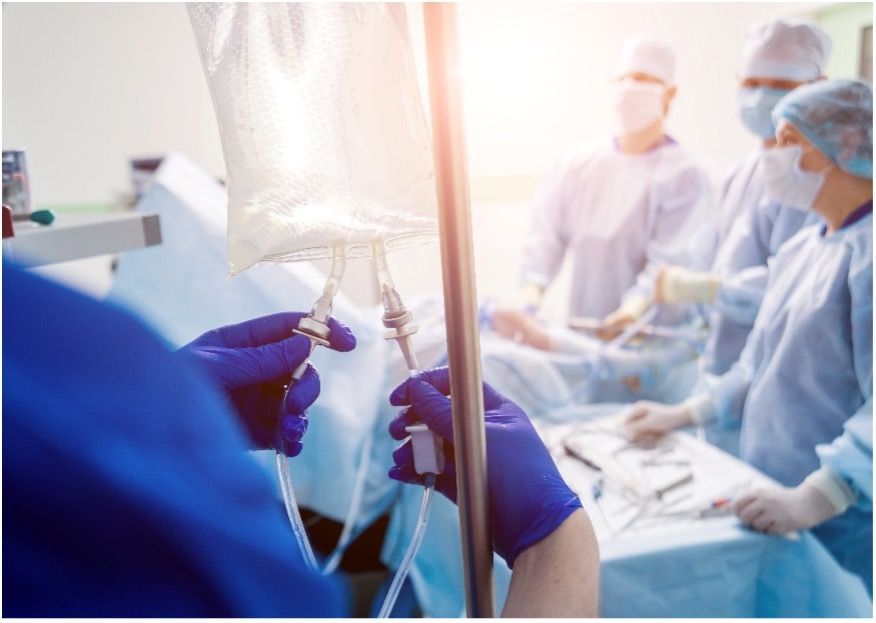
528 497
252 362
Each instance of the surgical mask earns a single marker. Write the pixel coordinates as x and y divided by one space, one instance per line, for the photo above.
637 104
756 109
786 183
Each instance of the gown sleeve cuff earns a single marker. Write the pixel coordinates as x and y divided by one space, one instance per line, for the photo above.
832 486
701 407
680 285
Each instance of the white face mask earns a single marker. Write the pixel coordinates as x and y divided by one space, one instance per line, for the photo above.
786 183
637 104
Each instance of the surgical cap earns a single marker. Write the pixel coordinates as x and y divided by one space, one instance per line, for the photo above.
837 117
648 56
785 50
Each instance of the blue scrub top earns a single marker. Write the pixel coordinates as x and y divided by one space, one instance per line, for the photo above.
127 489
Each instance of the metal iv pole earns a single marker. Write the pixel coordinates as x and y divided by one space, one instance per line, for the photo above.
460 306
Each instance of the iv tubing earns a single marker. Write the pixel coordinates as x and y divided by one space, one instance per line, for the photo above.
404 568
293 513
346 537
320 313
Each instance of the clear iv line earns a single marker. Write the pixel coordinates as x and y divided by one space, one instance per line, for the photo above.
397 318
334 558
293 513
315 328
404 568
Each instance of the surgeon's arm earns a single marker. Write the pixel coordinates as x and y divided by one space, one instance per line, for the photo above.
538 524
846 472
559 575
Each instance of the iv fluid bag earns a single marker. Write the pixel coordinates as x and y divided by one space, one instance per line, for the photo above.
322 126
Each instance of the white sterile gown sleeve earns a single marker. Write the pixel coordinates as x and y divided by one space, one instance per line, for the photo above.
620 216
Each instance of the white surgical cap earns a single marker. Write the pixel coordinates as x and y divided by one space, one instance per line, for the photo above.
785 50
648 56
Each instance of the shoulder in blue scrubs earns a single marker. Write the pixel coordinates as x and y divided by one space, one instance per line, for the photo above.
127 489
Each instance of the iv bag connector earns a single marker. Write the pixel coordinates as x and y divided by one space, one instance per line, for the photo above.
428 449
314 330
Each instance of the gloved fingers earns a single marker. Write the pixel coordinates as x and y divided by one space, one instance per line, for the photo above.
340 338
761 519
404 454
293 427
303 392
405 473
290 449
271 361
439 378
637 411
432 408
492 398
646 439
289 434
260 331
743 501
748 510
403 470
400 422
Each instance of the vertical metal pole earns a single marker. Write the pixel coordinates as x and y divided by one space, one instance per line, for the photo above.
460 306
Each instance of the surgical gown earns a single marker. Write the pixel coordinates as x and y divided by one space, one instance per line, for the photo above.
620 216
751 230
127 488
805 377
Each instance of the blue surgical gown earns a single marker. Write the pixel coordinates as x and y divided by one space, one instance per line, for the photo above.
127 488
750 232
805 377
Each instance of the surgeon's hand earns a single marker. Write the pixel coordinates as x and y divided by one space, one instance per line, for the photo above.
617 321
516 325
777 510
613 325
647 421
253 361
528 497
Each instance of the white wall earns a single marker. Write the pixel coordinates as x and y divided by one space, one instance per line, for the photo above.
86 86
537 76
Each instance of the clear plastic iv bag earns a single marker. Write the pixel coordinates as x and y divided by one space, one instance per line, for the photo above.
322 126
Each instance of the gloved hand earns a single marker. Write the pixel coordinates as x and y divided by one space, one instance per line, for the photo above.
618 320
647 421
253 361
781 509
516 325
528 497
675 284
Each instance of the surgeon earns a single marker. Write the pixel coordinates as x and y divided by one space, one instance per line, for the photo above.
127 490
621 207
803 387
777 57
